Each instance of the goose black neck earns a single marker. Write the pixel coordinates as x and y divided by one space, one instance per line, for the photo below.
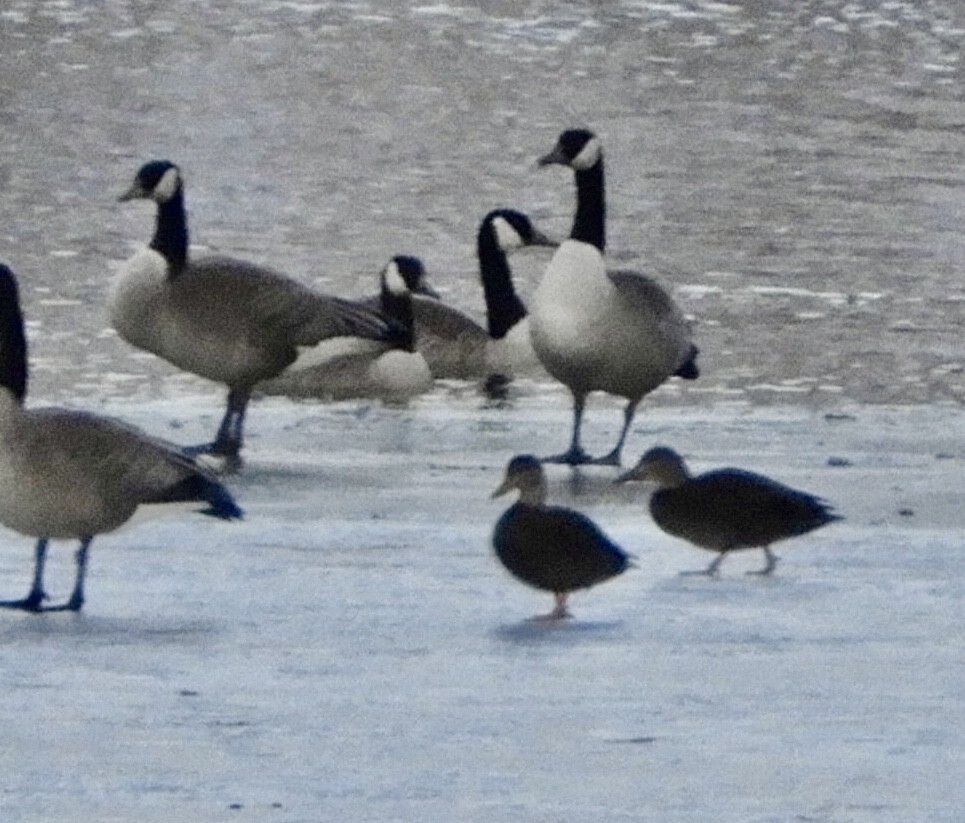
13 343
589 225
504 309
398 307
171 233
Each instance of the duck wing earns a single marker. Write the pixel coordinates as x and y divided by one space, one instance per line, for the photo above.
732 508
555 548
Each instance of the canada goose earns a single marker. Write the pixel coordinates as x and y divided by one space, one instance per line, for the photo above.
228 320
71 475
727 509
350 368
452 342
413 273
551 547
508 348
598 330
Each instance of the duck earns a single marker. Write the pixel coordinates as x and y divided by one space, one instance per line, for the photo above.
349 368
72 475
727 509
597 330
454 344
229 320
552 548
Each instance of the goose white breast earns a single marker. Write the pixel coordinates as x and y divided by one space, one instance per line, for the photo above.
599 330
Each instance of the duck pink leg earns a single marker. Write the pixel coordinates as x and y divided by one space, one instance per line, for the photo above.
560 612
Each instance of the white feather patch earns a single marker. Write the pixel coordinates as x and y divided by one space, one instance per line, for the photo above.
326 351
167 185
507 237
589 155
393 280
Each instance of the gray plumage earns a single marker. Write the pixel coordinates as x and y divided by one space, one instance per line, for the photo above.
228 320
598 330
72 475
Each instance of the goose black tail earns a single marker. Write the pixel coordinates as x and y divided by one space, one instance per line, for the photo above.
200 488
689 370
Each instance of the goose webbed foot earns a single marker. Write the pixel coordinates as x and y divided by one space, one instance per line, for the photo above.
218 448
75 604
229 452
573 457
33 602
611 459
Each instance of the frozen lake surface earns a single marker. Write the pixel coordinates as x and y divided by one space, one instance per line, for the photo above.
352 651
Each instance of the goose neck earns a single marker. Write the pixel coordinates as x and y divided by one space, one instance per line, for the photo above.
13 354
398 307
504 309
171 233
589 225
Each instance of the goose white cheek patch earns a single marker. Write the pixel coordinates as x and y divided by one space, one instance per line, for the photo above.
506 236
393 279
588 156
166 186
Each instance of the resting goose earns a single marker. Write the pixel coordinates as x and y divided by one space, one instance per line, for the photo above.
71 475
349 369
508 347
728 509
551 547
228 320
453 343
598 330
413 274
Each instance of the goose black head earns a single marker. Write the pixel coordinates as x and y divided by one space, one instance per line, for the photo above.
579 149
413 274
512 230
158 180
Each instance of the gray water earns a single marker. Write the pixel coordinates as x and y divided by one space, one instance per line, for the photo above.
792 169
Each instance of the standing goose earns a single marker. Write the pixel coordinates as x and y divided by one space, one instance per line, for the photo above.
70 475
727 509
228 320
551 547
598 330
350 368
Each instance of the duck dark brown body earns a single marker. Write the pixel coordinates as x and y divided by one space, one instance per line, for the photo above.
727 509
552 548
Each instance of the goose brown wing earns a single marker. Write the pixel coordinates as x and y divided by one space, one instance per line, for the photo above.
266 306
120 462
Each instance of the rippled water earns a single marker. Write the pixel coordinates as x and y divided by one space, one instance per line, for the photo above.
792 169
